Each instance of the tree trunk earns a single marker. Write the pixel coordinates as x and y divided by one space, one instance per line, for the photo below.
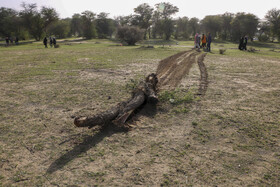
145 92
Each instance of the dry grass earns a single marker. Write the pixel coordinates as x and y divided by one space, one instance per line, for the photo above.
228 137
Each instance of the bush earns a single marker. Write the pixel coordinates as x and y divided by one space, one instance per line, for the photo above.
263 38
176 97
130 34
222 51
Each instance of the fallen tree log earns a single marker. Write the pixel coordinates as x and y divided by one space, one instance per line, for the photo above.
170 72
145 92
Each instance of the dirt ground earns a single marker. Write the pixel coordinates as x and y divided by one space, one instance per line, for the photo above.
173 69
228 135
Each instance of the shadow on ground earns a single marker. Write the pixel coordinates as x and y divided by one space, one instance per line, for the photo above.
88 143
265 45
148 110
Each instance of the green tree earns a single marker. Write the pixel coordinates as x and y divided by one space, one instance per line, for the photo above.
104 25
264 29
168 28
76 25
32 20
60 29
181 29
226 29
194 25
88 27
49 16
165 11
157 25
273 17
126 20
244 24
9 21
211 24
143 16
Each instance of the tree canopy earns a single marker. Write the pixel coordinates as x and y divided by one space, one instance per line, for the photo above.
156 22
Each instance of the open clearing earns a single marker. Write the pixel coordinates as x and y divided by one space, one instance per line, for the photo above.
229 135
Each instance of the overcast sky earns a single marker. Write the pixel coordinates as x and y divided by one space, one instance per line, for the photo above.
199 9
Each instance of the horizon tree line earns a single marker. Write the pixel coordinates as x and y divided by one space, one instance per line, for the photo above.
154 22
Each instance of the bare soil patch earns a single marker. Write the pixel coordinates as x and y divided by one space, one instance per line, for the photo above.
173 69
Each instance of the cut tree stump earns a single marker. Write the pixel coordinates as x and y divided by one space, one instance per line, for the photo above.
145 92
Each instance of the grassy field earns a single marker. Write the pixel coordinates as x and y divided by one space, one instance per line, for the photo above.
228 137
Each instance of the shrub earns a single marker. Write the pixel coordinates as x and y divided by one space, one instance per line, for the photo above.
222 51
263 38
130 34
176 97
132 85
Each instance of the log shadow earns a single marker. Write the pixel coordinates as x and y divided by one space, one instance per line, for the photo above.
88 143
148 110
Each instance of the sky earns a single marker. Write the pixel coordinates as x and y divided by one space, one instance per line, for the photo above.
194 8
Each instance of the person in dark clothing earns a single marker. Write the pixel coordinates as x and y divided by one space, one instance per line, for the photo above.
7 41
199 41
45 41
241 43
51 41
16 41
54 41
209 41
245 43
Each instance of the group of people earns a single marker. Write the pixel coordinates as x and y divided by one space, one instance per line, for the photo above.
243 43
52 41
10 39
203 41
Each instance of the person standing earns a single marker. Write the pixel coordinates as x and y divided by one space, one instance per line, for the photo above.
241 43
195 40
54 41
11 39
209 41
16 41
198 41
7 41
203 40
245 43
45 41
51 41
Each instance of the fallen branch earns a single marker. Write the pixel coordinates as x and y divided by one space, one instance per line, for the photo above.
145 92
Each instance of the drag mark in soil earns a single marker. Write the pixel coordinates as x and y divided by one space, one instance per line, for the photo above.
203 76
173 69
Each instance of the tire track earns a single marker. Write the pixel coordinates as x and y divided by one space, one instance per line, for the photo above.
203 85
173 69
